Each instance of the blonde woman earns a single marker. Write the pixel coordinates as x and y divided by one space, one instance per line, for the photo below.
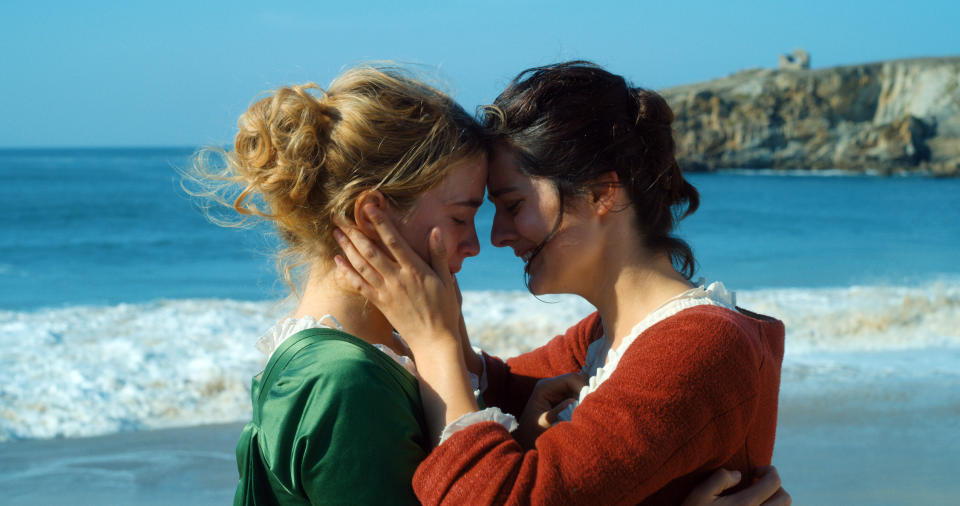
336 411
337 416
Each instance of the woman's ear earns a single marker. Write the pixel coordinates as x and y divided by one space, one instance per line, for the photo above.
368 198
604 192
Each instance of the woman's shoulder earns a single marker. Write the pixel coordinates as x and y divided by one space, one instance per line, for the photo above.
331 406
577 339
333 350
336 364
587 330
718 333
331 376
718 319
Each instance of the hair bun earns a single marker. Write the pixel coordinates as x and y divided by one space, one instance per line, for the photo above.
279 148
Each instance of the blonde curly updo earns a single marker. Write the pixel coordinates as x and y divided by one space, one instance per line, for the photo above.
303 155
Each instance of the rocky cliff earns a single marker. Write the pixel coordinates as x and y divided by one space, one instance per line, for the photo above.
890 116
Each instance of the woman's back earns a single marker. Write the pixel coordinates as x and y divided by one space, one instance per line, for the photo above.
326 409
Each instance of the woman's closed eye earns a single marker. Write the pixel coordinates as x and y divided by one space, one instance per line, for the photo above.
462 219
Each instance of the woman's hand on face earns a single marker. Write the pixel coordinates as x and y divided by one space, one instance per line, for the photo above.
766 491
549 398
420 301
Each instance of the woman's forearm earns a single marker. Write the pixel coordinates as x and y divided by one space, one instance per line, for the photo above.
472 359
445 388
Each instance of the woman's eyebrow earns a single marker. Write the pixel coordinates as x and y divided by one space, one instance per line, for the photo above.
495 193
472 203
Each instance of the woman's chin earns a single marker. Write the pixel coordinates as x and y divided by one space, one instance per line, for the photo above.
539 283
536 285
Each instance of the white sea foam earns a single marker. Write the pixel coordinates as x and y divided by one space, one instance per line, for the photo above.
874 318
87 370
510 323
90 370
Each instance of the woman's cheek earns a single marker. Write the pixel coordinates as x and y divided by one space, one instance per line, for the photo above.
526 226
452 240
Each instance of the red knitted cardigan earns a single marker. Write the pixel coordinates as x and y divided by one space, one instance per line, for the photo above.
692 393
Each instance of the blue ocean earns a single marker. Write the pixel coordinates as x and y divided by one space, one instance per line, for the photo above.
108 226
123 310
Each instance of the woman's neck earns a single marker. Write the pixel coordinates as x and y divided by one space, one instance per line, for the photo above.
322 296
634 283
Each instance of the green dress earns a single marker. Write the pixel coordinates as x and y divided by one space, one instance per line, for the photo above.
335 421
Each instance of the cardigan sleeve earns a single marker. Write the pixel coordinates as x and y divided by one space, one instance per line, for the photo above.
510 383
681 400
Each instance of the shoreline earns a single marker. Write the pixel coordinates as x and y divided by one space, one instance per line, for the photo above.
848 459
187 465
921 169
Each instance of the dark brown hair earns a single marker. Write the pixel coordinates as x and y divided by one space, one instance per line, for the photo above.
572 122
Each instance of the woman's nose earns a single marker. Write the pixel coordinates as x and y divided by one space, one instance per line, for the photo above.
502 232
470 247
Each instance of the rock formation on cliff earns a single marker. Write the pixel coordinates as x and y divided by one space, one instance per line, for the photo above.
895 116
798 59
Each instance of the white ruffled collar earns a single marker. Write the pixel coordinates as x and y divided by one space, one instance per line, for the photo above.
715 291
716 294
601 361
273 338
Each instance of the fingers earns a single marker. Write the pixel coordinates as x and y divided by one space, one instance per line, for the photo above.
395 244
456 285
764 489
574 381
561 387
720 480
551 417
769 480
348 278
768 487
438 257
781 498
359 261
365 246
707 492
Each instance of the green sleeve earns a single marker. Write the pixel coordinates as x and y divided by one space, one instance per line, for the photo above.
359 439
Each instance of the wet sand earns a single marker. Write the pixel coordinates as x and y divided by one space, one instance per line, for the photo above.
823 460
193 465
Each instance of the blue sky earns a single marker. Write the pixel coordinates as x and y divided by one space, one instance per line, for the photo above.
179 73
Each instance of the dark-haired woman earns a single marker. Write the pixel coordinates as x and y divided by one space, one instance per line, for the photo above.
678 380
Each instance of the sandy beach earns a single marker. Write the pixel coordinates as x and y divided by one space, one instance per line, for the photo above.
193 465
840 457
